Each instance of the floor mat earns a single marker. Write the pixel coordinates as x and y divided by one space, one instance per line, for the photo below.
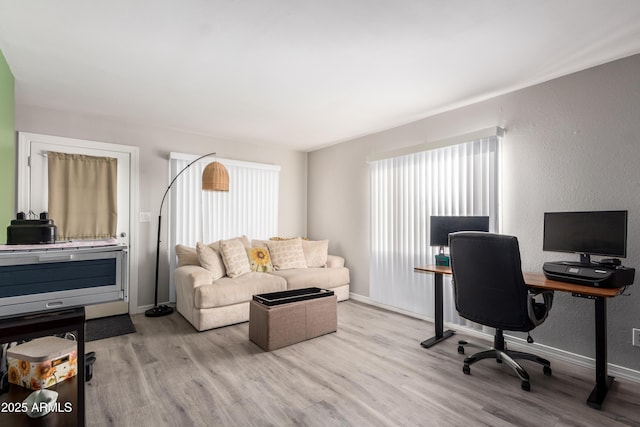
107 327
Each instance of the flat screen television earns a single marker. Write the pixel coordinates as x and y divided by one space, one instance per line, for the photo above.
442 226
586 233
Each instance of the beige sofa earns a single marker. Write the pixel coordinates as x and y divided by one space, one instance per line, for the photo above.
208 301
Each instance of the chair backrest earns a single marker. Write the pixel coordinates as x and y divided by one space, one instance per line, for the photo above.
488 283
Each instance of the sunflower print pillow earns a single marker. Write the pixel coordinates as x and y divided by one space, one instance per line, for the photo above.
260 260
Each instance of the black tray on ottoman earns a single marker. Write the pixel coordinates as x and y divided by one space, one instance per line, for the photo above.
285 297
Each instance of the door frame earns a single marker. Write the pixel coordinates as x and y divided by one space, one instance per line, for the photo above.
23 193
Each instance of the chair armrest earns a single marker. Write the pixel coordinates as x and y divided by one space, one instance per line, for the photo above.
335 261
547 298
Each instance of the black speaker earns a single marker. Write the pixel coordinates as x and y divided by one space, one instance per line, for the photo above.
31 231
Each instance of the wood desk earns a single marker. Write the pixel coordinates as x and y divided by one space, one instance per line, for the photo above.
441 334
599 297
539 281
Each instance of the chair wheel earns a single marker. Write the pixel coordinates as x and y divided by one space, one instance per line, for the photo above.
546 370
526 386
466 369
460 349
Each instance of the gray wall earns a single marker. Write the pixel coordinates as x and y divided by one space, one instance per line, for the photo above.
571 144
155 145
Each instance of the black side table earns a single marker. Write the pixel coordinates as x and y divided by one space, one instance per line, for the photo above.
38 325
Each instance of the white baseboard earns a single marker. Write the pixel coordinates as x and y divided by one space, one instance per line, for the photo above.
367 300
541 349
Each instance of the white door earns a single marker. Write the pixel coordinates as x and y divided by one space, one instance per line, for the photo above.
39 172
37 147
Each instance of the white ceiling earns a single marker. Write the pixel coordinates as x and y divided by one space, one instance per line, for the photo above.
299 73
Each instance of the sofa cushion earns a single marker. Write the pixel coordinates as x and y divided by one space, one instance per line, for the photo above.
234 255
286 254
189 256
186 255
315 252
334 261
227 291
326 278
210 260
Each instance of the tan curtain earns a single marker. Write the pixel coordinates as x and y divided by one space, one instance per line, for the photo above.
83 202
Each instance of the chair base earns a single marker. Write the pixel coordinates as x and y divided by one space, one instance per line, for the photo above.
509 357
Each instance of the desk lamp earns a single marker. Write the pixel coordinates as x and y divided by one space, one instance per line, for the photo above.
215 177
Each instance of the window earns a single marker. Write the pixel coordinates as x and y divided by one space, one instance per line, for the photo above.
83 196
460 179
249 208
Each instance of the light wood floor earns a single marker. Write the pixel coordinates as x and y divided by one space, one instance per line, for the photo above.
371 372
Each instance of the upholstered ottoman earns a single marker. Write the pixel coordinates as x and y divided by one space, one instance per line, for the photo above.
279 319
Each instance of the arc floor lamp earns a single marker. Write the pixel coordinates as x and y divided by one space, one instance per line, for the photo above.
215 177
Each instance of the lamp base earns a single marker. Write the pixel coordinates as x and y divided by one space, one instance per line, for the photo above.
159 311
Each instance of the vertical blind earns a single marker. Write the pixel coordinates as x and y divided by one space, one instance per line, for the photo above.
250 207
460 179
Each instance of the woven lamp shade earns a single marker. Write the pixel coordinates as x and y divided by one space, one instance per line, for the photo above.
215 177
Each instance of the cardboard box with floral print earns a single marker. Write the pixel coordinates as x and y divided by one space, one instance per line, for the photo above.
42 362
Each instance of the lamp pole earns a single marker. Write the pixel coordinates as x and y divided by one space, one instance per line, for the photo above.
163 310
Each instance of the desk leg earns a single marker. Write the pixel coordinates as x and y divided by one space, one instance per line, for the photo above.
440 334
603 380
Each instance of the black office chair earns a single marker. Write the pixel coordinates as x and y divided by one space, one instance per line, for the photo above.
490 290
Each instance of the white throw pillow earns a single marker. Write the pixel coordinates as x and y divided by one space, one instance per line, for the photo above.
259 244
315 252
234 255
210 260
287 254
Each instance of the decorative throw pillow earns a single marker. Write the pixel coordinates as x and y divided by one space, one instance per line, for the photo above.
186 255
287 254
260 259
259 243
234 255
244 239
216 247
210 260
279 239
315 252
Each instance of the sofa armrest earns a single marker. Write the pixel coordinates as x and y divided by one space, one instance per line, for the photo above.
187 279
192 276
335 261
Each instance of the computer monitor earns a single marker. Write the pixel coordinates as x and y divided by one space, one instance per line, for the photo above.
442 226
586 233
